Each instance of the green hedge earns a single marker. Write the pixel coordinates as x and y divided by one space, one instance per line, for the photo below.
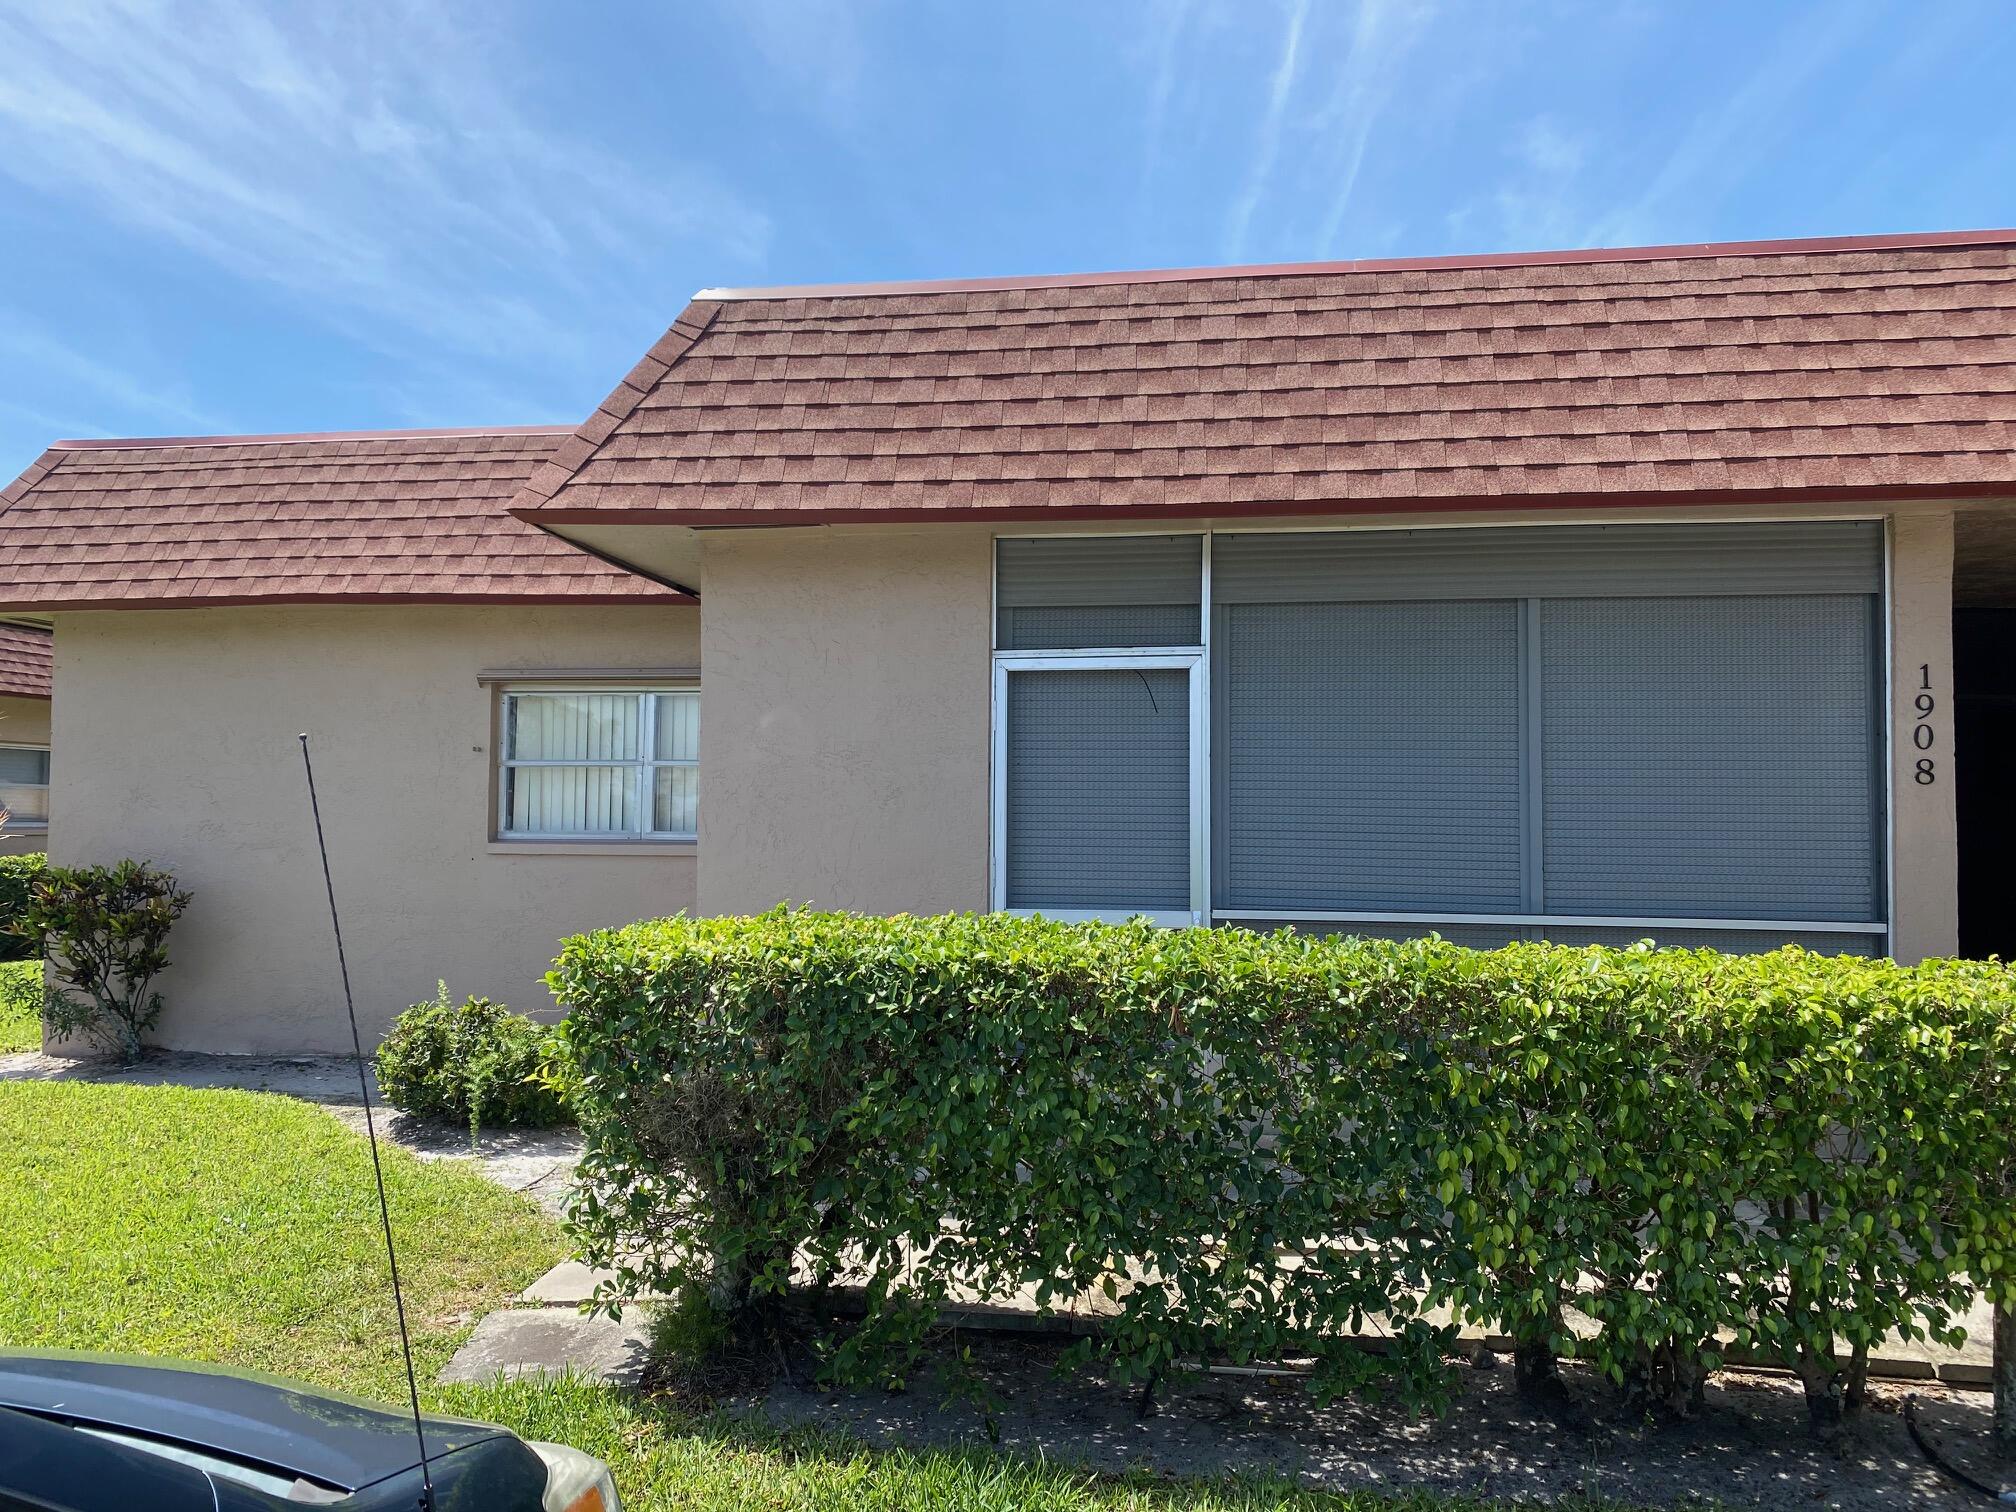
17 876
1284 1139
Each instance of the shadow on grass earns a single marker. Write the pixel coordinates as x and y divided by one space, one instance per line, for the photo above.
1224 1442
664 1456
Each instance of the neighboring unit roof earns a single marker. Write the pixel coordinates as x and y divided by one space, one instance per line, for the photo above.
382 516
1767 370
24 662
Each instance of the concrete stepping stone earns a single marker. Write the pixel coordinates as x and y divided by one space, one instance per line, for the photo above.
570 1284
551 1341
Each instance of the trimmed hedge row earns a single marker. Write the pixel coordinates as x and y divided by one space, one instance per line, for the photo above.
1256 1144
17 877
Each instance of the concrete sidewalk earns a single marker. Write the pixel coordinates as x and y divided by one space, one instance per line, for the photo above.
572 1285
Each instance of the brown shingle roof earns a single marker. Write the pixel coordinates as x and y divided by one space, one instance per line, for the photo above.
24 662
412 516
1812 369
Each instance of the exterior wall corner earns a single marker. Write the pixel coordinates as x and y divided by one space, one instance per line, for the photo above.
1924 828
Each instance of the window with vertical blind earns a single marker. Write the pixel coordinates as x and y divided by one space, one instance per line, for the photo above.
24 784
1587 732
599 763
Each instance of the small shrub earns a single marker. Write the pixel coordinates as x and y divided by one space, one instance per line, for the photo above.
18 875
1259 1145
105 931
478 1063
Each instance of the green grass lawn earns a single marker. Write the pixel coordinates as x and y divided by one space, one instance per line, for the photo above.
241 1228
20 1005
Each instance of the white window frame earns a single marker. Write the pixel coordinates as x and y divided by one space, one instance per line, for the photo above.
643 767
1188 659
19 822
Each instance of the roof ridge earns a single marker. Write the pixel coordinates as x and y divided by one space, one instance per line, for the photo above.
1788 246
282 438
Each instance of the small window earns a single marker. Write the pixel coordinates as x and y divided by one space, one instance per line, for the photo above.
24 784
600 764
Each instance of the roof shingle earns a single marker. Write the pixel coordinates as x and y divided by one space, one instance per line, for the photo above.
1775 369
389 516
24 662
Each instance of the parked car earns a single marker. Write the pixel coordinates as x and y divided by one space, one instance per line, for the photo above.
107 1433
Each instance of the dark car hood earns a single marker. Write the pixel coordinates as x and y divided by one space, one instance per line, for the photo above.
303 1430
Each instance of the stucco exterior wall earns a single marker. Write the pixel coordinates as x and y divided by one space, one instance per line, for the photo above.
1925 859
23 721
176 741
845 756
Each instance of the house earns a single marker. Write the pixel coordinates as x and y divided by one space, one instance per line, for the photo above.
24 737
1578 595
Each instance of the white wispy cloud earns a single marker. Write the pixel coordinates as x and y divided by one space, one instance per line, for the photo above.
1537 198
1267 147
1737 133
813 49
1168 25
367 158
27 347
1383 32
1333 83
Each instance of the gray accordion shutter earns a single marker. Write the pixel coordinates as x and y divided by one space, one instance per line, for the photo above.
1548 561
1711 757
1368 756
1098 592
1098 789
1729 941
1685 726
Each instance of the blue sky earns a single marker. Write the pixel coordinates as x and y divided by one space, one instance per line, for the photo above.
306 216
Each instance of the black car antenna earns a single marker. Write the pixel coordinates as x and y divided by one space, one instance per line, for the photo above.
371 1136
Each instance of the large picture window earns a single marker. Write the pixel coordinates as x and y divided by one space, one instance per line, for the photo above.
1565 732
599 764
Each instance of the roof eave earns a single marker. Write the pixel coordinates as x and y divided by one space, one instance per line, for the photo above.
254 600
745 517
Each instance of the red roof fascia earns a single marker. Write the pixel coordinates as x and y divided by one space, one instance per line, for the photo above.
751 519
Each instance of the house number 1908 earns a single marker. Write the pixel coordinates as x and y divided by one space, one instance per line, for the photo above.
1922 734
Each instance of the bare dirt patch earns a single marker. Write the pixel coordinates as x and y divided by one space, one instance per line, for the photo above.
1749 1449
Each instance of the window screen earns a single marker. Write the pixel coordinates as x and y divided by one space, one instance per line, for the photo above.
1098 592
1369 756
1714 757
1098 789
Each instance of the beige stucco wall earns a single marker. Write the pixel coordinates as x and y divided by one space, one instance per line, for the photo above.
846 759
1924 832
23 721
175 742
845 755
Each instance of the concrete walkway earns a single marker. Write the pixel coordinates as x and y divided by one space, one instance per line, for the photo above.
536 1162
572 1285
